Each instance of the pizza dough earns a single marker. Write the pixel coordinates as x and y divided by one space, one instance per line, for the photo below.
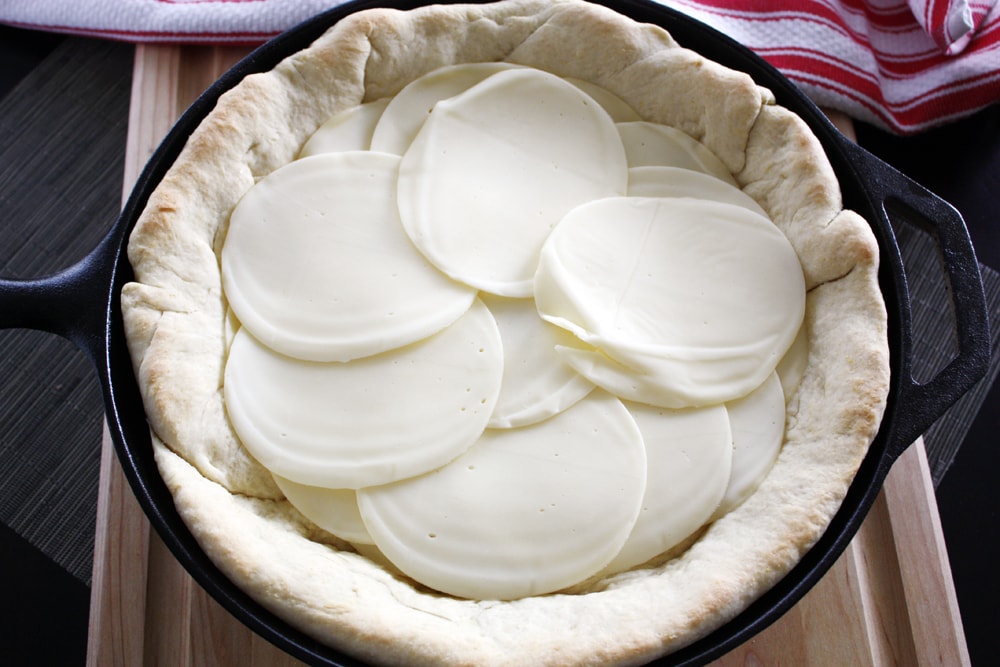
179 327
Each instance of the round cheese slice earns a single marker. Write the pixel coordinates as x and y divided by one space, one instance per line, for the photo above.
792 367
537 383
652 144
525 511
493 170
758 424
334 510
317 266
349 130
679 182
617 108
697 299
369 421
689 457
411 106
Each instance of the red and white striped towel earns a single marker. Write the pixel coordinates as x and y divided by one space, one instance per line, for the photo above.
906 65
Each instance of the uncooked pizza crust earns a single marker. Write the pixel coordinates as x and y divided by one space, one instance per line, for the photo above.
177 329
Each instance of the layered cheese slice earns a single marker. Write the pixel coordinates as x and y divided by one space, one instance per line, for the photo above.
483 182
504 333
681 301
317 266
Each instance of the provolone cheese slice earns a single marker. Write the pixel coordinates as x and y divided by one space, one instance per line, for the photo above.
689 455
526 511
494 169
349 130
652 144
678 182
537 383
317 266
369 421
619 110
229 327
758 424
334 510
700 298
622 381
412 105
792 366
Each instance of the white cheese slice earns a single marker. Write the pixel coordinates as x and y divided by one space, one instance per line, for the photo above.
316 263
334 510
679 182
349 130
411 106
652 144
537 383
230 325
689 456
494 169
622 381
792 367
695 298
525 511
369 421
619 110
758 424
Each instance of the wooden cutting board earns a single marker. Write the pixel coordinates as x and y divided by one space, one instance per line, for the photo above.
889 600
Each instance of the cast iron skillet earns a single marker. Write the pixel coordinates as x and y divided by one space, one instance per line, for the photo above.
82 304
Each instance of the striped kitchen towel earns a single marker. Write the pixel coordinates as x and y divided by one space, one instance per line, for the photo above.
904 65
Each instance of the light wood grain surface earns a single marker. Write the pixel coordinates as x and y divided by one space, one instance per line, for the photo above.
889 600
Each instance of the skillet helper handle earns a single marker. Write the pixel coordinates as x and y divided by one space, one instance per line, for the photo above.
71 303
901 199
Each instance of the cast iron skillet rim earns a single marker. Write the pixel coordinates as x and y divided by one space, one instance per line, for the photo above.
132 438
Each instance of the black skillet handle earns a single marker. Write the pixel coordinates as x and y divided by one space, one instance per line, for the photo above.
902 200
72 303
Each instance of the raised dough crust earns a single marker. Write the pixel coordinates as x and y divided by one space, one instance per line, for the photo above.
175 320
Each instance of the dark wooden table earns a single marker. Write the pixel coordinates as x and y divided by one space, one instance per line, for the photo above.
63 127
